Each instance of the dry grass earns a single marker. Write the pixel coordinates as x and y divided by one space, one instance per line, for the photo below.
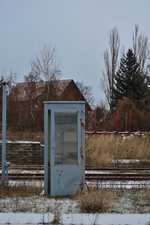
19 191
101 150
134 148
138 200
95 200
115 200
24 135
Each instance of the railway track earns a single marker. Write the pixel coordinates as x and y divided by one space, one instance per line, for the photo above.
92 173
88 177
113 166
118 177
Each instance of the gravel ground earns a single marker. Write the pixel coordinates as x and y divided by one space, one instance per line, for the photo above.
129 207
124 201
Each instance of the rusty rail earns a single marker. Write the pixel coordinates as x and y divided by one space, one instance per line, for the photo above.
88 177
92 173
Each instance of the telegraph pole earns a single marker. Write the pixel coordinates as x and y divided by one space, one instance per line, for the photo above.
4 99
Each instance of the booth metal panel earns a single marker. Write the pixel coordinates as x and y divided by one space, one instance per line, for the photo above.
64 147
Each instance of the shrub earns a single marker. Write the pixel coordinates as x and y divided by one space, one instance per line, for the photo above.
96 200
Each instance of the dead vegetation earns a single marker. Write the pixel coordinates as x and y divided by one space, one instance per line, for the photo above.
95 200
22 135
101 150
25 198
19 190
114 200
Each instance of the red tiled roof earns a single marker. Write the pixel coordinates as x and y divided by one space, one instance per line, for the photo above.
59 85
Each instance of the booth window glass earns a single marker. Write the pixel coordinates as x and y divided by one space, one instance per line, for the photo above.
66 147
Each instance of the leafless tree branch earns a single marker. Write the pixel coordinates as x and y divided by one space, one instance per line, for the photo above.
110 57
140 48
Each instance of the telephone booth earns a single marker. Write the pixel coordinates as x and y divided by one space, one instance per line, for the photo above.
64 132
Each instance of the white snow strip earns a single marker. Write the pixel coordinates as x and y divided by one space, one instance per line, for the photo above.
24 142
126 161
120 184
76 219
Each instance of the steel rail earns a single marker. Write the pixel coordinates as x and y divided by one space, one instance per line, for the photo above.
113 172
117 166
117 177
88 177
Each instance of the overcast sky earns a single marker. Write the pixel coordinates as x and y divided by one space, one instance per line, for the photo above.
78 29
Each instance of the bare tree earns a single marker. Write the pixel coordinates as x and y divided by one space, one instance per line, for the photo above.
46 68
31 77
140 48
87 92
11 106
110 60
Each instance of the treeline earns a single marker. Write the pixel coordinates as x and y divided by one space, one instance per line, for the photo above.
25 108
126 85
25 101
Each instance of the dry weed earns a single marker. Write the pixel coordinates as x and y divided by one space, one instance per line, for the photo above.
19 190
134 148
95 200
23 135
101 150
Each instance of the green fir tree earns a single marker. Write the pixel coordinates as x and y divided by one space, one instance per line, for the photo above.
129 82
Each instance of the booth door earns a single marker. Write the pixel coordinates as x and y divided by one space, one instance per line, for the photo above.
66 175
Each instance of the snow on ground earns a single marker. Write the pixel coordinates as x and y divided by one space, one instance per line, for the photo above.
23 142
126 161
125 210
76 219
121 184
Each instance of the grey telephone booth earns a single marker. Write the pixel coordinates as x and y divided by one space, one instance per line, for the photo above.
64 131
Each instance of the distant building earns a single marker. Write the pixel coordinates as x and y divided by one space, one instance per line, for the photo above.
28 99
64 90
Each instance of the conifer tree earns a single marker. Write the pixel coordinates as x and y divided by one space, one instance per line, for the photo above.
129 82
